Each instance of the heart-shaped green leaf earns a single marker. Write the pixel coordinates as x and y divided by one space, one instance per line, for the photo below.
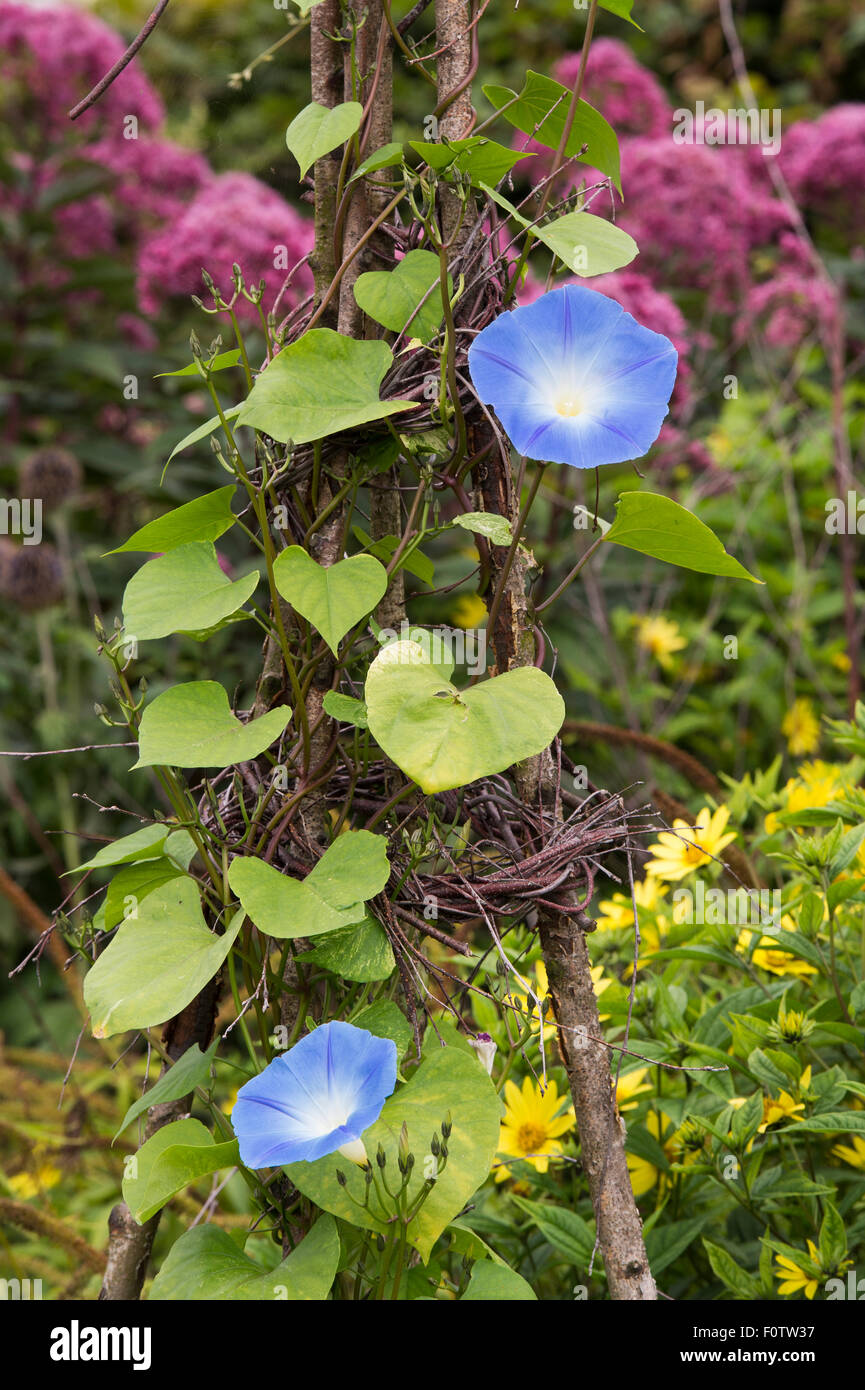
393 297
485 161
385 1019
447 1080
202 431
145 843
150 843
133 884
175 1156
331 597
318 386
496 1283
319 129
206 1266
657 526
541 110
587 244
351 870
345 708
442 737
203 519
497 529
182 591
361 953
622 8
156 963
384 158
192 725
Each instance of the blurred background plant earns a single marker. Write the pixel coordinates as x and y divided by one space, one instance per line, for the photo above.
697 689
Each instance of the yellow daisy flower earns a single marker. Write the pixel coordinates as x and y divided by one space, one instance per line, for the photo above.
817 784
776 1108
816 773
801 728
629 1086
600 984
469 611
531 1127
27 1185
644 1174
793 1278
675 855
527 1009
853 1153
660 637
768 957
618 912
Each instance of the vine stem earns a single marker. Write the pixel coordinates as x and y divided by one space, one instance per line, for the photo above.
122 62
559 159
569 578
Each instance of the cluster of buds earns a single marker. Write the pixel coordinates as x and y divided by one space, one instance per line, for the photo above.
691 1137
253 294
791 1026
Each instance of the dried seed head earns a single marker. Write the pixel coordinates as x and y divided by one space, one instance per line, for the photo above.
33 577
52 475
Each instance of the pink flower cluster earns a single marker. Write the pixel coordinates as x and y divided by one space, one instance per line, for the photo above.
162 204
696 212
153 180
823 161
707 217
795 302
54 57
629 96
234 218
791 305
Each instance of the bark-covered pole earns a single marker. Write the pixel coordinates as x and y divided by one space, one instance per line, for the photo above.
356 69
563 942
374 62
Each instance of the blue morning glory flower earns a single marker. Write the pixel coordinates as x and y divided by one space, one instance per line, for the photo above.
574 378
315 1099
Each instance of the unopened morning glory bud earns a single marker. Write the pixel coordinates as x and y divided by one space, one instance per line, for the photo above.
356 1152
486 1050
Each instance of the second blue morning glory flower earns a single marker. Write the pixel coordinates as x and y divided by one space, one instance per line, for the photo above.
315 1099
574 378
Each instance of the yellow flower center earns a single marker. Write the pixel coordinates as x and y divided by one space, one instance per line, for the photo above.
531 1138
567 406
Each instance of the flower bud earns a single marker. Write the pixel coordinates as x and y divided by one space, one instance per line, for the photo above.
486 1050
356 1152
